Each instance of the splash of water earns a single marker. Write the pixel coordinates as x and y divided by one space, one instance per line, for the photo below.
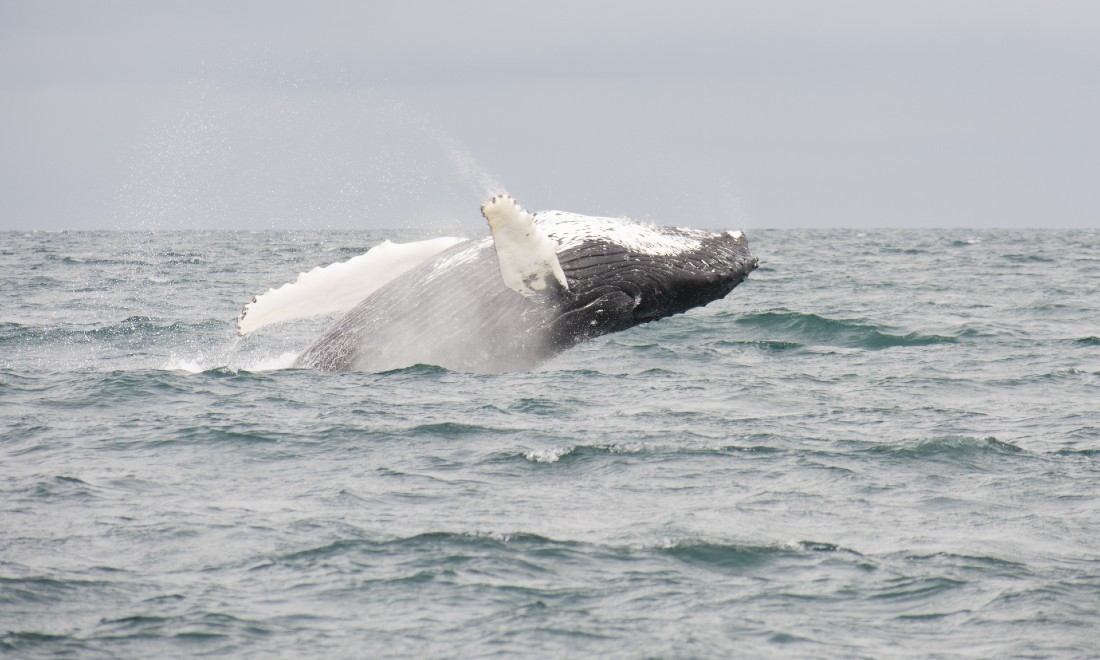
477 178
299 156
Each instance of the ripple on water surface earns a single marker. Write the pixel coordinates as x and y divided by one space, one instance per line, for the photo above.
902 460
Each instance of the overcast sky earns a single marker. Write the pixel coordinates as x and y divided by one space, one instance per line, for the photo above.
711 114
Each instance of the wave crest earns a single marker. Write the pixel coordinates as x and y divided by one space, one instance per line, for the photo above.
811 329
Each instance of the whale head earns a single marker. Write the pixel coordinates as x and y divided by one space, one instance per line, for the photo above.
622 273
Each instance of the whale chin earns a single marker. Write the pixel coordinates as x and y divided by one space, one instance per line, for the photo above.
539 285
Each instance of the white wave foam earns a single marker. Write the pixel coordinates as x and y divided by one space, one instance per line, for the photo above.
284 361
183 364
251 364
551 455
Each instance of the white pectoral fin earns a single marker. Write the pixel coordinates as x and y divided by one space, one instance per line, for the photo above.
340 286
528 258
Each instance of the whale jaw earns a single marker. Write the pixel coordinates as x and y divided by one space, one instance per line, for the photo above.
614 287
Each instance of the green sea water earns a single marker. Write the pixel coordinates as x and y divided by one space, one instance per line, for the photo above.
882 444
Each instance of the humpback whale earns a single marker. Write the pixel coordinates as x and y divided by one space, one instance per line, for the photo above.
538 285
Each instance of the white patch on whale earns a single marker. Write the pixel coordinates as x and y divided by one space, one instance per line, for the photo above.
528 259
571 230
340 286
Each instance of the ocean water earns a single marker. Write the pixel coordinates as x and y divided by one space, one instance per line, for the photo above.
883 444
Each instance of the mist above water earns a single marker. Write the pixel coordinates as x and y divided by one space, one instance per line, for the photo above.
301 157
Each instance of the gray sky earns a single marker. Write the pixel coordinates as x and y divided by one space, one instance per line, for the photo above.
711 114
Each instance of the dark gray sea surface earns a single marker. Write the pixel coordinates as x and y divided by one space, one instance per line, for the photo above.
882 444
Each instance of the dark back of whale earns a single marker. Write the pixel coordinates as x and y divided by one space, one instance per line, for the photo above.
455 311
613 288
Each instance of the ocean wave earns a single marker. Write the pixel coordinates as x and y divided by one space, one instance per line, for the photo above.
244 364
718 554
418 370
811 329
952 447
1088 453
63 487
133 326
956 561
453 430
1028 258
728 556
440 540
898 250
581 451
18 380
1068 374
919 588
235 436
109 389
96 261
215 632
577 452
45 590
19 641
548 455
769 345
536 406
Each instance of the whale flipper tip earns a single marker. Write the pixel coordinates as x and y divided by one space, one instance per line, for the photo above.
528 258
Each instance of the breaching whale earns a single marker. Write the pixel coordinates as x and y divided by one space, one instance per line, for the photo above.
540 284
